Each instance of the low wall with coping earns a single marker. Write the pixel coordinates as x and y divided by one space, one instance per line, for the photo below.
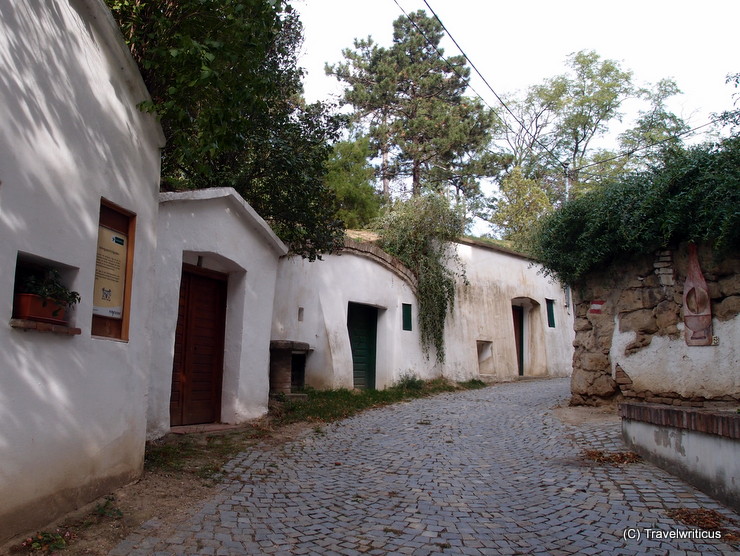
698 445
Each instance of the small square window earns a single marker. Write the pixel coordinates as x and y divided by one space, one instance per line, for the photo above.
406 310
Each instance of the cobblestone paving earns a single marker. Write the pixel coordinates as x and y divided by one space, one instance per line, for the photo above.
489 471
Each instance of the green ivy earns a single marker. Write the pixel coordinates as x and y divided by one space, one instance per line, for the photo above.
693 195
418 232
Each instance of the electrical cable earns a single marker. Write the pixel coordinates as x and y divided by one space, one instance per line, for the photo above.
466 80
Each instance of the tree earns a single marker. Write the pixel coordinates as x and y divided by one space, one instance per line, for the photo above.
412 104
592 98
656 126
521 202
732 117
551 132
350 176
223 79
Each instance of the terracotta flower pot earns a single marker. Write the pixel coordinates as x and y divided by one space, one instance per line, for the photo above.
30 306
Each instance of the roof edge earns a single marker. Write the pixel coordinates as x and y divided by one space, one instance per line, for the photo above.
229 193
485 245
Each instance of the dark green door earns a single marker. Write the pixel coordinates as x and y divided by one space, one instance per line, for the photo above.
362 323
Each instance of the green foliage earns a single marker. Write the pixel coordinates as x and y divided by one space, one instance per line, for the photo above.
521 201
225 84
333 405
655 126
413 105
418 232
560 120
350 177
47 542
592 96
693 195
108 509
409 381
732 117
47 283
472 384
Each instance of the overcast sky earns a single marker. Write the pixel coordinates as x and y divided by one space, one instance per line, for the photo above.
519 43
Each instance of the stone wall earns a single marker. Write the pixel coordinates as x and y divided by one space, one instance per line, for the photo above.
629 341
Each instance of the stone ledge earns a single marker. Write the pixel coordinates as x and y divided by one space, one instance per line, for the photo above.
719 423
23 324
375 253
290 345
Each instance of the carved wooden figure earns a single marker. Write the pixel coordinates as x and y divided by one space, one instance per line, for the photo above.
697 310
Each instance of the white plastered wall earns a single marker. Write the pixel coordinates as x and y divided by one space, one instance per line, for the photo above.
219 231
324 289
479 333
72 407
482 318
669 364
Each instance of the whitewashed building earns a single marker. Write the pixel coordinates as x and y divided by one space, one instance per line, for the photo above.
215 278
186 298
356 316
363 295
79 173
509 320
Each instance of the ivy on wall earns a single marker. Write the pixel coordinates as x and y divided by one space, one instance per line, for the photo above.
693 195
418 232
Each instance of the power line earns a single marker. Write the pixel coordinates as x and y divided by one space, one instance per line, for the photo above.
649 146
564 165
467 81
495 94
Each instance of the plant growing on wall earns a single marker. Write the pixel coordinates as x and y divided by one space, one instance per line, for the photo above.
418 233
693 195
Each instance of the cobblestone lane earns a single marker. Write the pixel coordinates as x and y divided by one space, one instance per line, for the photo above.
491 471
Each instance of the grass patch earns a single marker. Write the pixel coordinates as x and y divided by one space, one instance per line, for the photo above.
332 405
473 384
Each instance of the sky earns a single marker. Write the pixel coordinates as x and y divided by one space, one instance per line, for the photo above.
518 43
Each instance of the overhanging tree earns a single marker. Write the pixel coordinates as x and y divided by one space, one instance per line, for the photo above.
224 81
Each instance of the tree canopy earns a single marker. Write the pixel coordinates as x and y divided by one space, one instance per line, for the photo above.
350 176
224 82
411 102
552 134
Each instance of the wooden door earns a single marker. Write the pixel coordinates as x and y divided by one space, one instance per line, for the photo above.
518 314
362 324
197 369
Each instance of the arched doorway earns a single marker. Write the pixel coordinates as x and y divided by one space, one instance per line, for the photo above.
197 368
524 311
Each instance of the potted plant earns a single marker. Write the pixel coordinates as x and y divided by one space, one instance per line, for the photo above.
43 297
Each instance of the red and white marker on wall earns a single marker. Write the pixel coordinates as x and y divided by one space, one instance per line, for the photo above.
596 306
